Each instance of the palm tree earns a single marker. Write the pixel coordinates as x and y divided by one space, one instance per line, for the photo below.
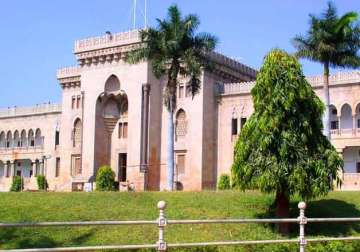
175 50
332 41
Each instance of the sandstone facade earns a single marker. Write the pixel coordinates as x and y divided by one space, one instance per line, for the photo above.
112 113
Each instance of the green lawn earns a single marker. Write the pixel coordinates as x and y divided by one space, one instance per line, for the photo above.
21 207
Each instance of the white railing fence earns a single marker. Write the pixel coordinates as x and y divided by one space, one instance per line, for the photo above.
162 222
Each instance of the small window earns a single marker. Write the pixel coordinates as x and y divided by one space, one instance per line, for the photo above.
57 168
334 111
181 91
358 167
8 144
180 165
32 143
125 132
78 102
57 138
243 121
358 123
76 165
234 128
334 125
73 102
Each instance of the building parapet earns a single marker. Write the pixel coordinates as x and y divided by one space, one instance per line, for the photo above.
46 108
233 64
336 79
67 72
108 40
340 78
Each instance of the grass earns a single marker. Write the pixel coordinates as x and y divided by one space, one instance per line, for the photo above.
33 207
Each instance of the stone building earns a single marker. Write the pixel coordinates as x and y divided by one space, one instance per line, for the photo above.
112 113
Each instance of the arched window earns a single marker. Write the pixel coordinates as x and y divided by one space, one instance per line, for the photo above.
31 138
112 84
346 117
23 142
77 131
357 115
38 138
2 140
9 140
180 124
334 122
16 139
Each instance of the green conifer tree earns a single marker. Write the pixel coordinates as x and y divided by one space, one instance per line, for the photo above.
282 148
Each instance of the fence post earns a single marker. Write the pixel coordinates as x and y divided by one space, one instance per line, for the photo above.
161 224
302 222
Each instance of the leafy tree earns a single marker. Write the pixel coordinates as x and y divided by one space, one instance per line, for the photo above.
281 148
105 179
332 41
174 50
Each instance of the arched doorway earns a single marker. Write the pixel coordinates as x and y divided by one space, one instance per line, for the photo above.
111 110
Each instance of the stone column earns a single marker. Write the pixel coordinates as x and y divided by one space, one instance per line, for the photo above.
33 167
7 172
144 131
339 129
12 168
144 126
354 124
42 167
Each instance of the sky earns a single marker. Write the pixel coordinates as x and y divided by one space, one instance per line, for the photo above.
37 36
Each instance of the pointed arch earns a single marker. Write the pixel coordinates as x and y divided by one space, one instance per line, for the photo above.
9 140
38 138
112 84
346 116
16 139
31 138
77 132
23 139
180 124
2 140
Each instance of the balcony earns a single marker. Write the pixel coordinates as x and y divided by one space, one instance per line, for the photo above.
20 150
345 133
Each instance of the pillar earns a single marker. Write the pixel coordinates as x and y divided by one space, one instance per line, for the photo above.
339 120
7 171
144 131
354 124
41 167
12 168
33 167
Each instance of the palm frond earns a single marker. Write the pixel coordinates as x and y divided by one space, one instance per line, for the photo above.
346 20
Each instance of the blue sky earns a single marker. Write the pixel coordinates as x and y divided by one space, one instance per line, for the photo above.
37 36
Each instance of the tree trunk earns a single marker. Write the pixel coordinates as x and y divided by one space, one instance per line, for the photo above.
170 149
327 102
282 211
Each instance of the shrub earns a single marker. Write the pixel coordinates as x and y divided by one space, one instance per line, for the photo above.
105 179
224 182
41 181
16 184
